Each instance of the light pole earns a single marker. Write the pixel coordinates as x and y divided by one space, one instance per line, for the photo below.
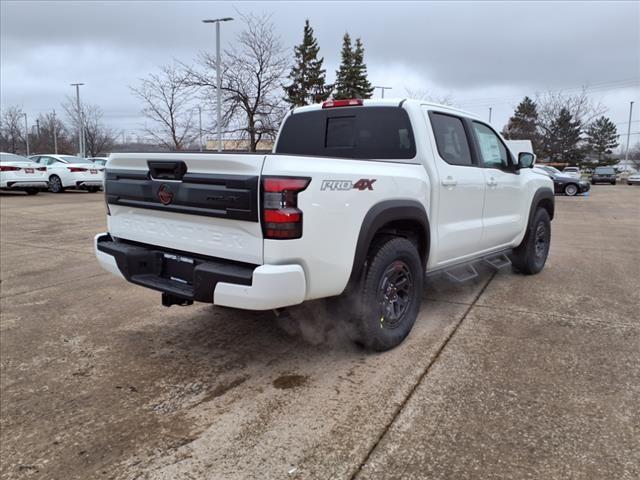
200 125
80 122
382 88
626 155
490 110
26 133
218 75
55 134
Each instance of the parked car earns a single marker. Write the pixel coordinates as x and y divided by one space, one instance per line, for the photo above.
20 173
67 171
633 179
572 172
603 174
102 161
353 199
563 183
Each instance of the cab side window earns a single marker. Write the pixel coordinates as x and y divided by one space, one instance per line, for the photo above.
493 152
451 139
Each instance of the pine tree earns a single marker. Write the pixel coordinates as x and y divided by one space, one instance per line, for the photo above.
351 77
343 74
307 75
602 138
523 125
562 142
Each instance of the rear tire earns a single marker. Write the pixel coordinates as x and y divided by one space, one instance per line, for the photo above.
531 255
390 294
31 191
613 183
571 190
93 189
55 184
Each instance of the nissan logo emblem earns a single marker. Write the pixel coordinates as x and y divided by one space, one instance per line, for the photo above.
165 195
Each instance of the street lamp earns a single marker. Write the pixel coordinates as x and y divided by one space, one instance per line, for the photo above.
382 88
80 122
218 74
26 132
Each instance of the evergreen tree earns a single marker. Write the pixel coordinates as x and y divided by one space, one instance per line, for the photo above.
307 75
562 142
351 77
523 125
602 138
360 82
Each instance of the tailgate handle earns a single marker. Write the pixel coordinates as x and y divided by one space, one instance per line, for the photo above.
167 170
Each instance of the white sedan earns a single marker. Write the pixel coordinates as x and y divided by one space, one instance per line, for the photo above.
20 173
67 171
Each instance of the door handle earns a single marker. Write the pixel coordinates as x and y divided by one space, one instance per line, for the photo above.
449 182
492 182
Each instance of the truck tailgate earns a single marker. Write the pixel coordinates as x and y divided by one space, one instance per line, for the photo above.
206 204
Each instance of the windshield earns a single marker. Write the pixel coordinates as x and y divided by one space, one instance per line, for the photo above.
10 157
72 159
606 170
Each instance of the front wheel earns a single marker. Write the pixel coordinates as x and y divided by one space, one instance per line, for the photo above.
571 190
531 255
390 294
93 189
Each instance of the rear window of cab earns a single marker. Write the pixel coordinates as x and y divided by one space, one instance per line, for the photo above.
349 132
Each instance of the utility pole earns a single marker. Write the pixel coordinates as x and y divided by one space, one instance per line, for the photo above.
26 133
80 122
200 125
38 127
382 89
490 110
218 76
55 134
626 155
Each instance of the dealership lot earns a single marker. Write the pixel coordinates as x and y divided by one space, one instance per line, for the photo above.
507 377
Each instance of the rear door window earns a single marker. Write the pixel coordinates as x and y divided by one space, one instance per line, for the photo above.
451 139
378 133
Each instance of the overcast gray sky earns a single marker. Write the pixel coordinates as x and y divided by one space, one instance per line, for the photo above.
482 54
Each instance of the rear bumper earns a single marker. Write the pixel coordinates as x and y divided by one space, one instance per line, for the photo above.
19 184
210 280
584 187
89 183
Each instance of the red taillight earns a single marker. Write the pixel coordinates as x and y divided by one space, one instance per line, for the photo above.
41 169
8 168
353 102
77 169
282 219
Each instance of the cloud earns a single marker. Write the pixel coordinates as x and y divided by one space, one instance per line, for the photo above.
480 53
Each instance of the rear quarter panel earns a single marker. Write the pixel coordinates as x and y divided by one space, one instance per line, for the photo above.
332 216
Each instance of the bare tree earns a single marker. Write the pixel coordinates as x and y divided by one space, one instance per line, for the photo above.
425 95
44 142
581 107
99 139
168 103
252 81
11 130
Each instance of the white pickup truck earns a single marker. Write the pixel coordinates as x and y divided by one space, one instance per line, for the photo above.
359 198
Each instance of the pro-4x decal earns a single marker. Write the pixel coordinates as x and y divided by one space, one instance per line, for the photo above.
362 184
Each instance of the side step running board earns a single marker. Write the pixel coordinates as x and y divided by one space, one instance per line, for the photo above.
498 262
466 271
461 274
